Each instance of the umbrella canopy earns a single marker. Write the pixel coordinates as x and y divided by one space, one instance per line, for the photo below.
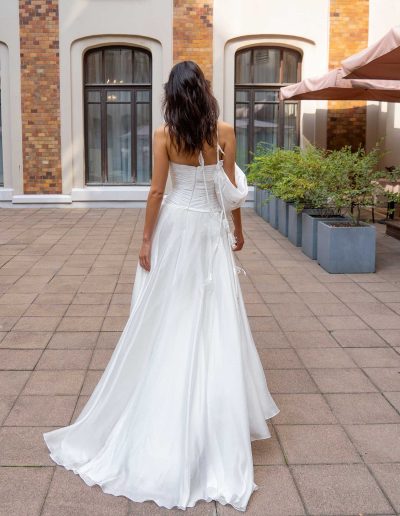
379 61
332 86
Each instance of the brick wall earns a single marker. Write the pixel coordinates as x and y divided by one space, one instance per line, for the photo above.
193 33
349 21
40 96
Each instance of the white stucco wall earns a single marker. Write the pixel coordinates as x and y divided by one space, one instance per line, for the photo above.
10 99
383 118
300 25
86 24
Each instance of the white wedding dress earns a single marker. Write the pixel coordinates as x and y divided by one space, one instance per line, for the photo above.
173 415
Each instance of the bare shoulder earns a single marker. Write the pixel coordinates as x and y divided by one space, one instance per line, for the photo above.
160 133
226 131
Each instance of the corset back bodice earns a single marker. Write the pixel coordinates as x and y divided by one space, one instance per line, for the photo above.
193 187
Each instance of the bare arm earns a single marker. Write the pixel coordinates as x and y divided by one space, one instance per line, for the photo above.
229 167
156 194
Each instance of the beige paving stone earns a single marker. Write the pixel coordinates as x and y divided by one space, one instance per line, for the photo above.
388 476
306 409
91 284
41 410
316 444
375 357
6 404
376 442
92 378
350 322
6 323
86 310
10 298
19 359
360 408
12 382
392 337
54 382
37 323
300 323
279 359
312 298
330 309
394 399
311 339
80 324
108 339
56 299
114 323
60 359
68 494
73 340
26 339
385 378
23 490
290 381
325 358
341 380
270 339
12 310
45 310
267 451
254 309
358 338
24 446
280 297
92 299
100 359
280 310
340 489
276 495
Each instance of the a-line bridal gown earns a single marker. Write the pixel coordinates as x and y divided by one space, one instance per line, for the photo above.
173 415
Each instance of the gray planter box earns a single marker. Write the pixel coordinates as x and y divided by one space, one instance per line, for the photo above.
273 211
294 225
265 205
283 217
257 200
309 235
346 250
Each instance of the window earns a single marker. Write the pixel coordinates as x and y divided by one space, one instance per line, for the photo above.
259 115
117 116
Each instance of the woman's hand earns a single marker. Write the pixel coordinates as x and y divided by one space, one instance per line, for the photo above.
238 234
144 255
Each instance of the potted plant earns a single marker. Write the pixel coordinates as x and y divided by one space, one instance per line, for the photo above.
349 246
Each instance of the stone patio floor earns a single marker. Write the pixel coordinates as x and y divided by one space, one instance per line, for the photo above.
330 346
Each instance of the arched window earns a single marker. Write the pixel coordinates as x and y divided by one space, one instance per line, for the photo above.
117 115
259 115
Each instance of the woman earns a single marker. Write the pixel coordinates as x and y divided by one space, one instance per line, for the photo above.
184 393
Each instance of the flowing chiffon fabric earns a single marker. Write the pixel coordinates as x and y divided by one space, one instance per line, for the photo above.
173 415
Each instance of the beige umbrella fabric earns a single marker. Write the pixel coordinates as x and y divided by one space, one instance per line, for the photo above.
332 86
379 61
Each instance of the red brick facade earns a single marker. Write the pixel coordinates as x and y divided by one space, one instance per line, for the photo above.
349 20
193 33
40 96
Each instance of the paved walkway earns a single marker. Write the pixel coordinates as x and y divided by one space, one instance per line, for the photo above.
330 345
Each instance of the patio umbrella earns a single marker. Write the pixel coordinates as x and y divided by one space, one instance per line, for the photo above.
379 61
332 86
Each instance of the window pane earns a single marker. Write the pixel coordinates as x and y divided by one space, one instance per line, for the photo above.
243 69
119 143
143 96
265 124
141 72
266 65
266 96
93 68
290 130
93 138
242 96
290 61
118 65
242 134
118 96
143 143
93 96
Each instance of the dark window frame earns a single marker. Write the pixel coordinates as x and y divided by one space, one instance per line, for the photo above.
252 87
102 89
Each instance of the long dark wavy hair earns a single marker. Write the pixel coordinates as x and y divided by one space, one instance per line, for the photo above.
190 109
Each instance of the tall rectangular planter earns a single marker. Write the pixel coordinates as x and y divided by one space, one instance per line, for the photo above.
283 217
346 250
294 225
273 211
257 202
309 235
265 205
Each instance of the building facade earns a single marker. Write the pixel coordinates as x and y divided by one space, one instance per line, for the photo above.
81 84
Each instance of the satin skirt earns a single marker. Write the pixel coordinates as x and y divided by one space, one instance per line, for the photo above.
173 415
